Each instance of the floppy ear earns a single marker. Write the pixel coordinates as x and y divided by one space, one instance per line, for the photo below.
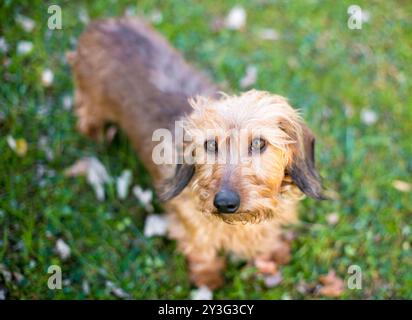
302 169
175 185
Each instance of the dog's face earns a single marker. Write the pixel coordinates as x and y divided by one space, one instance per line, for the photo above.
246 153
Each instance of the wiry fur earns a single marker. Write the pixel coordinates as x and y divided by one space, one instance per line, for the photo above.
128 74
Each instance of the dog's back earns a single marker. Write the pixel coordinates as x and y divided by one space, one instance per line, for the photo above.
125 71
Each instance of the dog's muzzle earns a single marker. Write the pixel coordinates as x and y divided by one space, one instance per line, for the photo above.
227 201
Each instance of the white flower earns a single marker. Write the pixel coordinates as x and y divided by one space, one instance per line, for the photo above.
123 183
249 78
369 116
202 293
26 23
62 249
47 77
236 19
24 47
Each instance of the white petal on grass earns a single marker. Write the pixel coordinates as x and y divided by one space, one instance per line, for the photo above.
24 47
145 197
63 249
123 184
26 23
365 16
249 78
402 186
95 172
202 293
118 292
369 116
236 19
2 294
4 47
85 287
156 225
47 77
269 34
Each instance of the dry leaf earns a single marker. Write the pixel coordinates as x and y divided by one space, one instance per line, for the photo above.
332 286
369 117
249 78
24 47
156 225
402 186
18 145
95 172
269 34
274 280
236 19
26 23
145 197
202 293
4 47
123 184
62 249
332 218
47 77
118 292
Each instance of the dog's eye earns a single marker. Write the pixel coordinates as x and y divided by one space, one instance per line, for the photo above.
257 145
211 146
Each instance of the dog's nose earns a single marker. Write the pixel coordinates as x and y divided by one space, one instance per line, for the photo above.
227 201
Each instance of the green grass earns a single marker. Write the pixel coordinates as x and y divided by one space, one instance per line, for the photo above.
330 72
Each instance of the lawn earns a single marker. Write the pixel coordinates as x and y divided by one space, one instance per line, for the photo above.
352 86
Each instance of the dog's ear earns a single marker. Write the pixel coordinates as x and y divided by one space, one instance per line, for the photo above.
302 167
175 185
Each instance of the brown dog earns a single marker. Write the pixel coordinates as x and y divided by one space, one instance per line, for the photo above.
128 74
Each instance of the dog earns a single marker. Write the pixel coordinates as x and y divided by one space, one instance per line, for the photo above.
126 73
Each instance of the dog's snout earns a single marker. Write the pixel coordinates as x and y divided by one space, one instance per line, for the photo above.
227 201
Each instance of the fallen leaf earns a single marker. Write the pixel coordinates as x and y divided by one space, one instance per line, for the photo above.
123 184
332 285
4 47
402 186
95 172
24 47
25 23
249 78
19 146
67 102
145 197
274 280
118 292
62 249
369 117
47 77
268 34
156 225
236 19
202 293
332 218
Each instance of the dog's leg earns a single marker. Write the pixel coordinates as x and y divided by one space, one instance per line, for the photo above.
205 265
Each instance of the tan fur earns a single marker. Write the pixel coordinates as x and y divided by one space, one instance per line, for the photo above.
128 74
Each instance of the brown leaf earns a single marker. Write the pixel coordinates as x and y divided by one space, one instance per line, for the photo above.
332 285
